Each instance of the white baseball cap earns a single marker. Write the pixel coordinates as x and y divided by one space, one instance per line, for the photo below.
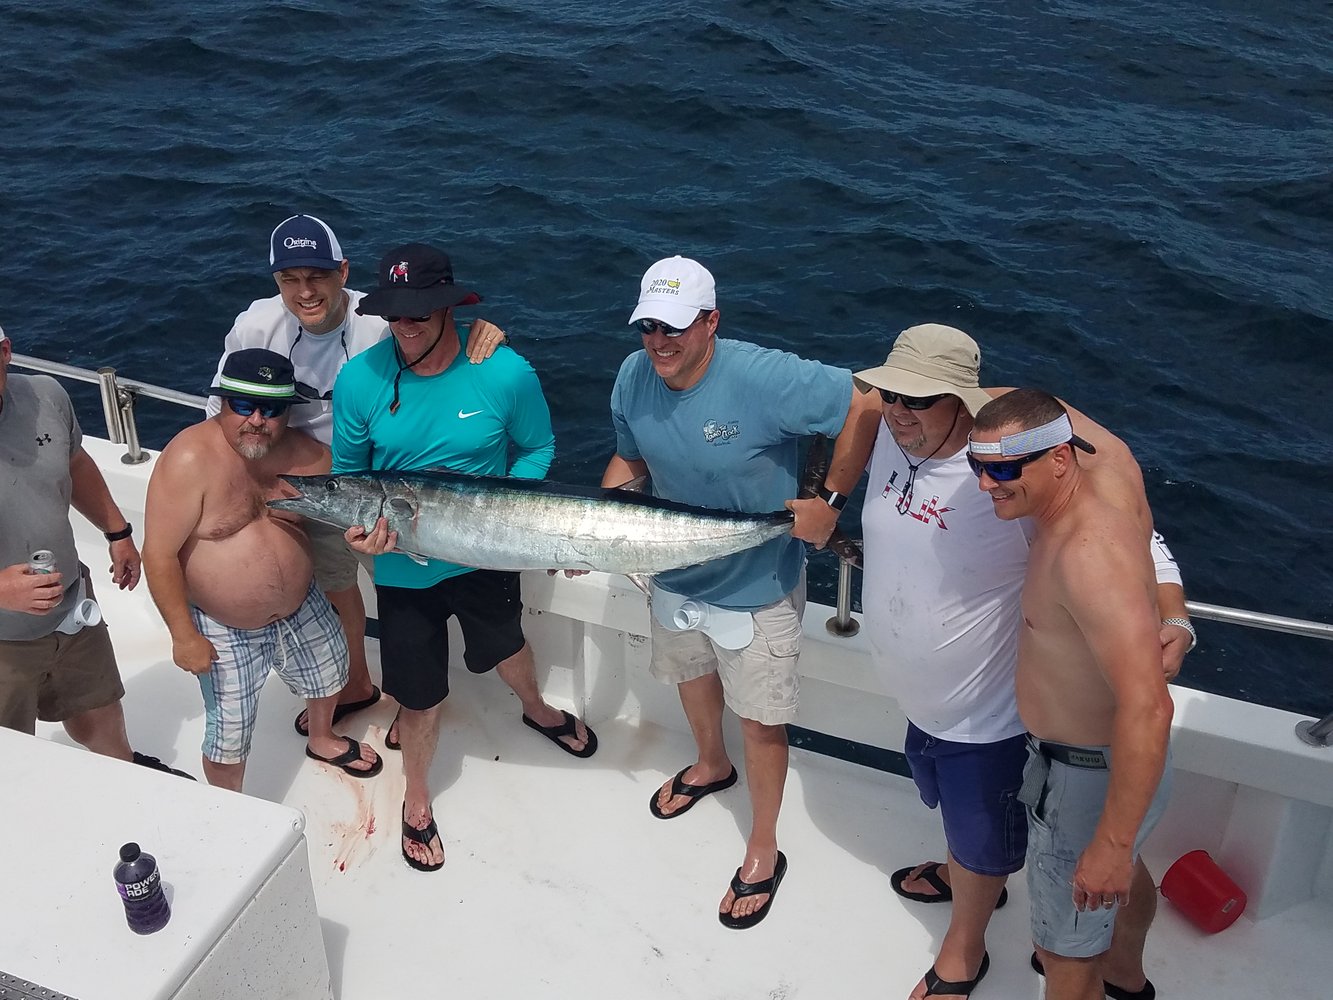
674 290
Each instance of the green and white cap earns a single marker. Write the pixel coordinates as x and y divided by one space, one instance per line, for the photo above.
257 373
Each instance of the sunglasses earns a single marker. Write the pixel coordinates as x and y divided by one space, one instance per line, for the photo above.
650 326
911 402
410 319
310 392
246 407
1006 471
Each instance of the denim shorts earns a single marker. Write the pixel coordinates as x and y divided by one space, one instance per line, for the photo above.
976 788
1064 804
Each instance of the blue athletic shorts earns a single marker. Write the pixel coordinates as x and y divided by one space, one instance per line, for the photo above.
975 786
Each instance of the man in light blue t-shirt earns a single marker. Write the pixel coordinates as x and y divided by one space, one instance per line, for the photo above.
716 423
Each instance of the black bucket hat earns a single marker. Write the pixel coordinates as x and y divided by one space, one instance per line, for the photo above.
259 374
415 280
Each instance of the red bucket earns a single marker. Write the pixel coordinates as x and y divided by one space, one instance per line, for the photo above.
1203 892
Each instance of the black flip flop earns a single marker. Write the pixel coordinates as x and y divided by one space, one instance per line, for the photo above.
695 793
1114 992
423 836
566 728
930 873
768 885
340 712
344 760
937 987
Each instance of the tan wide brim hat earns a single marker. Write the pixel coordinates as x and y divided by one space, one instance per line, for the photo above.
928 360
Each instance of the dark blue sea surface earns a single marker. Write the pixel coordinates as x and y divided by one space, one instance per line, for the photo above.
1127 202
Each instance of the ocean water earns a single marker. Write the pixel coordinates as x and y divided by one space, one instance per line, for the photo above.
1128 202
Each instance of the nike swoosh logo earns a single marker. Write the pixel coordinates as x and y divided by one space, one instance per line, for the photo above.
464 416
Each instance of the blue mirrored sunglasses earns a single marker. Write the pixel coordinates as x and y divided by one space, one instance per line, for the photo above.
1005 471
246 407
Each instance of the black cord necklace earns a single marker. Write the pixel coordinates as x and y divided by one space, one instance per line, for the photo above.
904 503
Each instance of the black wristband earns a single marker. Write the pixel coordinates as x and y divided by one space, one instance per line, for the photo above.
115 536
835 500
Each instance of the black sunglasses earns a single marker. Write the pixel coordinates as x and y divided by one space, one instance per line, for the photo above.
308 391
1005 471
411 319
246 407
911 402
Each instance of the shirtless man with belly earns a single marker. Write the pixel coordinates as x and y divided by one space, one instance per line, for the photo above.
1092 693
234 580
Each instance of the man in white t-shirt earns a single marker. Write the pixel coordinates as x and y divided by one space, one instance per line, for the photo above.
941 593
313 322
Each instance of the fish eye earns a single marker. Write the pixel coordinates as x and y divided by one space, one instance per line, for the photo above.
331 486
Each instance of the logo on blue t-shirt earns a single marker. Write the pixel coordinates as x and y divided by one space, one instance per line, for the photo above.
715 432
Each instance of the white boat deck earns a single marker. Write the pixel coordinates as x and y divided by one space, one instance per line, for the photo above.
559 883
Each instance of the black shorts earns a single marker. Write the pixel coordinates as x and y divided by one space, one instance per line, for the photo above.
414 632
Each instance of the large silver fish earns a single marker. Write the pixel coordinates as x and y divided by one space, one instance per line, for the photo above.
518 524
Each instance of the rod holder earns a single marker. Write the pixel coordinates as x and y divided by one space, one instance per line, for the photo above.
111 407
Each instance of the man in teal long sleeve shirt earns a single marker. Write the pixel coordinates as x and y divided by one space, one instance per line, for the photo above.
410 403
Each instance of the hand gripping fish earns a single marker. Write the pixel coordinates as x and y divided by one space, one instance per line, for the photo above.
523 524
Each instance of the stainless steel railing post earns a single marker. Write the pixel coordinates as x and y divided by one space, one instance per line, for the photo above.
1316 734
134 454
842 623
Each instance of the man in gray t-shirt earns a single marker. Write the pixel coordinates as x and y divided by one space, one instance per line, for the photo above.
52 665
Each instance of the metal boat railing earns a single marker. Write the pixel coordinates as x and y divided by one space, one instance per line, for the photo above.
118 399
119 395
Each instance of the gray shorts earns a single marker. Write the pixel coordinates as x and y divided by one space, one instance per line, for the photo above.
759 682
335 563
1064 804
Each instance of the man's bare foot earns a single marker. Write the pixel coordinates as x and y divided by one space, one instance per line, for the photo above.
547 717
349 700
702 779
915 883
332 749
937 981
756 868
423 848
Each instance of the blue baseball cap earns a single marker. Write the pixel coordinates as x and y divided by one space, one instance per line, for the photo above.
304 241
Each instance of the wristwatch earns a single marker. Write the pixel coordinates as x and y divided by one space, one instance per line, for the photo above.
835 500
115 536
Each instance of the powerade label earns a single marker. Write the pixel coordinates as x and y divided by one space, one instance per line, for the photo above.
140 890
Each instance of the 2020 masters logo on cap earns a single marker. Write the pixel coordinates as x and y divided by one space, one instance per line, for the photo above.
304 241
674 291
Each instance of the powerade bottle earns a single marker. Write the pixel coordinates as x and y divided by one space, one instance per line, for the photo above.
140 885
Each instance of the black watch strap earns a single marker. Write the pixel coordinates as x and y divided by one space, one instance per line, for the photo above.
835 500
115 536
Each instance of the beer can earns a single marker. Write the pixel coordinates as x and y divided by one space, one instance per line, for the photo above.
42 561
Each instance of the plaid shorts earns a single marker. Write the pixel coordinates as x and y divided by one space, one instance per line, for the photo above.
308 649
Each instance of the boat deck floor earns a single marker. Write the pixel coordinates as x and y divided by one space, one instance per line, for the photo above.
559 883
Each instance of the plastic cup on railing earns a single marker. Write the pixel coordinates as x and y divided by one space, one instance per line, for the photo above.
1203 892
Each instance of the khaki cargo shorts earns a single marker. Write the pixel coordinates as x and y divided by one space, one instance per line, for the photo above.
759 682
